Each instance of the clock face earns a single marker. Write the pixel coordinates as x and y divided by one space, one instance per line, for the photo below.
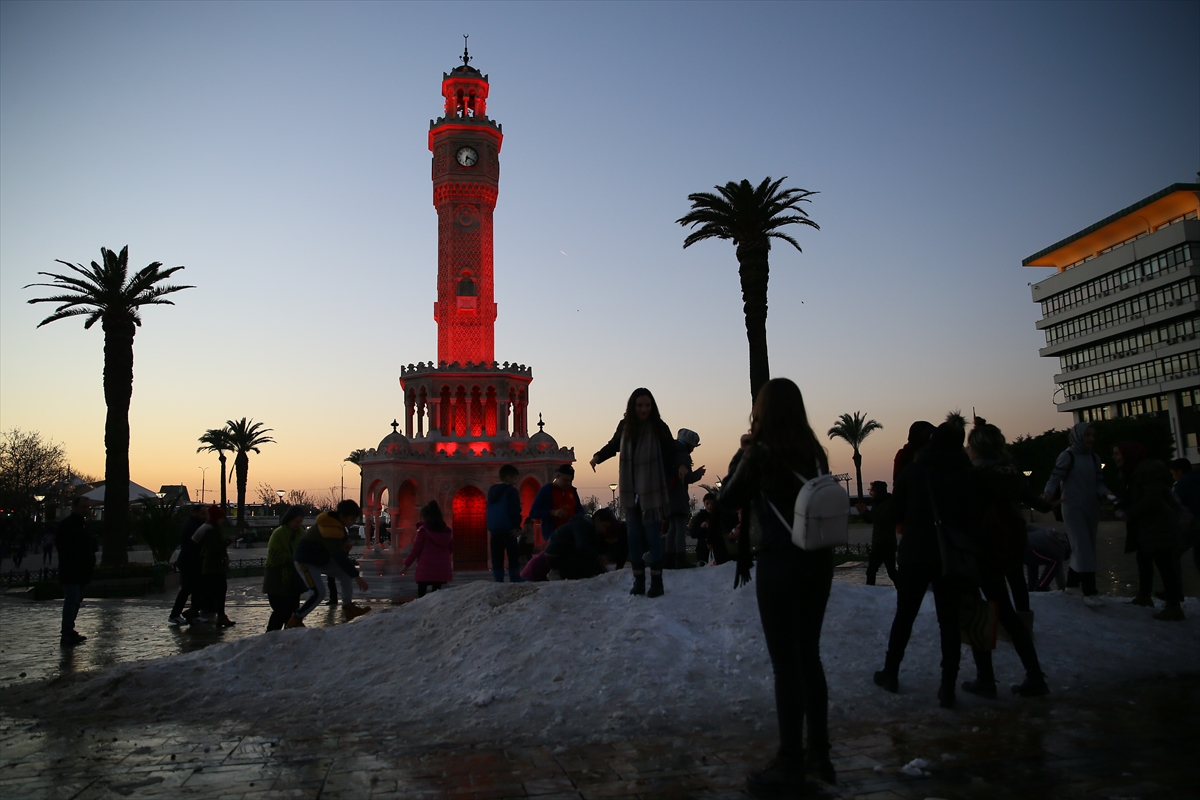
467 156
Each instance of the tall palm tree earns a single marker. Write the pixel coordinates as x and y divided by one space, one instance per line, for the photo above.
246 435
750 216
108 294
218 440
853 429
355 458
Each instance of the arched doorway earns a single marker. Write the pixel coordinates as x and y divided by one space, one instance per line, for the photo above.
529 490
404 530
469 520
383 522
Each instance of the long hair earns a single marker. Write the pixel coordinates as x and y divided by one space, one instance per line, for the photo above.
779 421
633 425
431 515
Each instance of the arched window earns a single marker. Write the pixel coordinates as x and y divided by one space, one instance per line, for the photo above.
466 288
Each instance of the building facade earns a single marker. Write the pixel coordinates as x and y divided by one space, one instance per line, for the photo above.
1122 312
465 415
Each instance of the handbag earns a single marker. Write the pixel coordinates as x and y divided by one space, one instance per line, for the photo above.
958 550
977 622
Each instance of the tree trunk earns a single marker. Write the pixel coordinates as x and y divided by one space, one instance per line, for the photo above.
754 270
858 472
118 389
241 468
224 481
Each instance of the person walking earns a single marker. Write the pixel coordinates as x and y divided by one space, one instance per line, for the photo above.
647 462
280 581
189 564
935 488
433 550
325 549
76 563
675 555
883 533
1151 527
504 524
778 454
47 549
214 563
1000 486
1077 474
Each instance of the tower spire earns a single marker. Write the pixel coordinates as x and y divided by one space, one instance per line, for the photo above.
466 57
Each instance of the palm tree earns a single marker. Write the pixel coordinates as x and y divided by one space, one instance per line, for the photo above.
751 217
853 429
355 458
217 440
108 294
246 436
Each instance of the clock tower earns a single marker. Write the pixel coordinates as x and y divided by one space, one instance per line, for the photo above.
466 180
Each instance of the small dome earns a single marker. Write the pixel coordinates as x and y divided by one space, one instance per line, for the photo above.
393 443
542 441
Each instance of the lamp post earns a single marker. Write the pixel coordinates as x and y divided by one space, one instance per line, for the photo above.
1027 473
38 498
343 466
280 493
203 475
613 488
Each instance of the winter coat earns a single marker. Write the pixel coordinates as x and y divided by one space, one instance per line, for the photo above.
1000 487
214 549
883 524
678 489
575 537
435 551
543 505
1187 489
949 482
754 481
503 508
189 551
666 444
1077 473
325 542
280 576
76 551
1152 523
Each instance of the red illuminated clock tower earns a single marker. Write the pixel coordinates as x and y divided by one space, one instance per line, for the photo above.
464 415
466 181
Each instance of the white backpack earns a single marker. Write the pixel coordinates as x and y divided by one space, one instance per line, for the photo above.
822 515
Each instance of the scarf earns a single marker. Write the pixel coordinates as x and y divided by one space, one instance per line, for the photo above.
642 480
1075 438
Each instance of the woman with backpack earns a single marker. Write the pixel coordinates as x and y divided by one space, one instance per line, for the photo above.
793 584
936 490
1001 487
648 458
1077 474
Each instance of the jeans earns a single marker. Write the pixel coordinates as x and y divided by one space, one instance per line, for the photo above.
642 540
215 587
1169 567
72 599
189 586
283 606
677 534
882 555
792 587
310 574
915 579
503 543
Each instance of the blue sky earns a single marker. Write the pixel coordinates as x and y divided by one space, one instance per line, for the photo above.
279 151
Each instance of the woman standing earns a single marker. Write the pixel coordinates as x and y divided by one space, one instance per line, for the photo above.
793 584
647 453
1077 474
281 582
1151 527
434 548
937 487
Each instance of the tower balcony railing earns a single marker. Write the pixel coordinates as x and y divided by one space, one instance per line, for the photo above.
423 367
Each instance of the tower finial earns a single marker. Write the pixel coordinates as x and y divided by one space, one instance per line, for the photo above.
395 426
541 424
466 57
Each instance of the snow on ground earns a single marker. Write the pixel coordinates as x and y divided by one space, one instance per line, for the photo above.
570 661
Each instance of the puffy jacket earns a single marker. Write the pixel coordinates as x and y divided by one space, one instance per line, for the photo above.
280 576
503 508
434 551
325 542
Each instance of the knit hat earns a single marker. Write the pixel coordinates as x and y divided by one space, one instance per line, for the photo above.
688 437
215 513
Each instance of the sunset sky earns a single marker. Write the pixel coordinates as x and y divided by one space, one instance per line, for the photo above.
279 152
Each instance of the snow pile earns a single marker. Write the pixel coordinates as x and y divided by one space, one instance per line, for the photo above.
576 660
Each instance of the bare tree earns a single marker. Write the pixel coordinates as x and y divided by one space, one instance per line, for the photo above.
29 466
266 494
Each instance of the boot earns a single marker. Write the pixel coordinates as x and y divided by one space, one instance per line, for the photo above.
782 777
984 684
946 698
1172 613
1034 686
639 582
817 763
350 611
498 574
981 687
889 676
656 587
225 622
294 622
1142 600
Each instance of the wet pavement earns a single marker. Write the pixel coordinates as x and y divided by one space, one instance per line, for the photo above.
1140 742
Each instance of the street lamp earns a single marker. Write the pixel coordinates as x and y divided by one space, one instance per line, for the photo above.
281 493
343 466
203 475
613 488
38 498
1029 472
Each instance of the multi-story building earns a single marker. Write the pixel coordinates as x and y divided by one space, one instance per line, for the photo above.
1122 313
